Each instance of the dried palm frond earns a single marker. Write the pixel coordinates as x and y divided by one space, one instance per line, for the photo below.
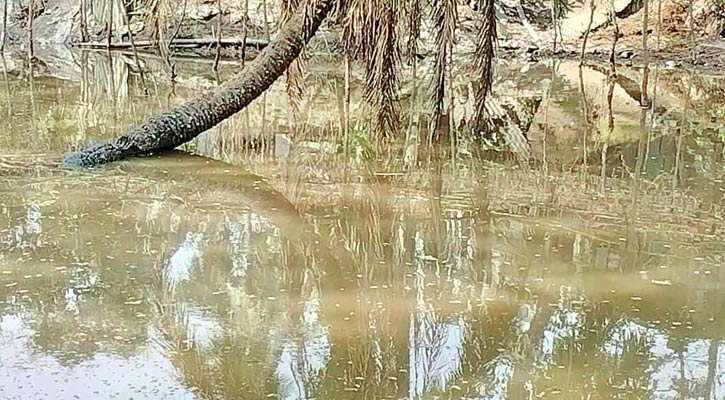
370 34
309 8
445 17
484 57
559 9
414 17
562 7
357 19
382 70
159 14
295 73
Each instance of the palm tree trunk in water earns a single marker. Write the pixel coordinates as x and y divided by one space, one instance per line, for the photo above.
185 122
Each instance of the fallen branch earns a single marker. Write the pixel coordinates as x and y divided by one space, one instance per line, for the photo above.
185 43
182 57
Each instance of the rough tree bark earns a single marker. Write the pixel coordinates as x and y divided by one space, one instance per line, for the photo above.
185 122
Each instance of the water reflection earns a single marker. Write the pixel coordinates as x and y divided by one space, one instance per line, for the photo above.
523 275
41 376
304 357
184 260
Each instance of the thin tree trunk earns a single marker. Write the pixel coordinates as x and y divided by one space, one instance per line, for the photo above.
111 4
84 22
31 92
615 39
659 23
645 104
547 100
5 27
127 21
645 25
263 129
640 163
652 106
218 37
85 95
8 96
554 22
413 131
112 85
586 33
185 122
451 108
167 53
691 17
684 121
340 97
712 367
243 48
31 19
346 125
587 120
266 20
610 130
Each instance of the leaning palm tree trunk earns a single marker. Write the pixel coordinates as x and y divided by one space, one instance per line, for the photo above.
185 122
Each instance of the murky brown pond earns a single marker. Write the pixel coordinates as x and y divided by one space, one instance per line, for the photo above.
274 268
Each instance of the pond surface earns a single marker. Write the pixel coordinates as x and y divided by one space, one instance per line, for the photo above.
583 262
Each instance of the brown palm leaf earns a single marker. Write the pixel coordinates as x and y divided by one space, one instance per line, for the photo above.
414 17
370 35
485 55
295 73
445 16
159 13
382 70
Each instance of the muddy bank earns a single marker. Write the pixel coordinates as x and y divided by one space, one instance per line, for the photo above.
196 23
705 57
525 28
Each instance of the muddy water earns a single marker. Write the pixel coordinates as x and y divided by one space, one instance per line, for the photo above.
594 270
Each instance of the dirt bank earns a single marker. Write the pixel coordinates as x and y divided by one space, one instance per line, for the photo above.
524 28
